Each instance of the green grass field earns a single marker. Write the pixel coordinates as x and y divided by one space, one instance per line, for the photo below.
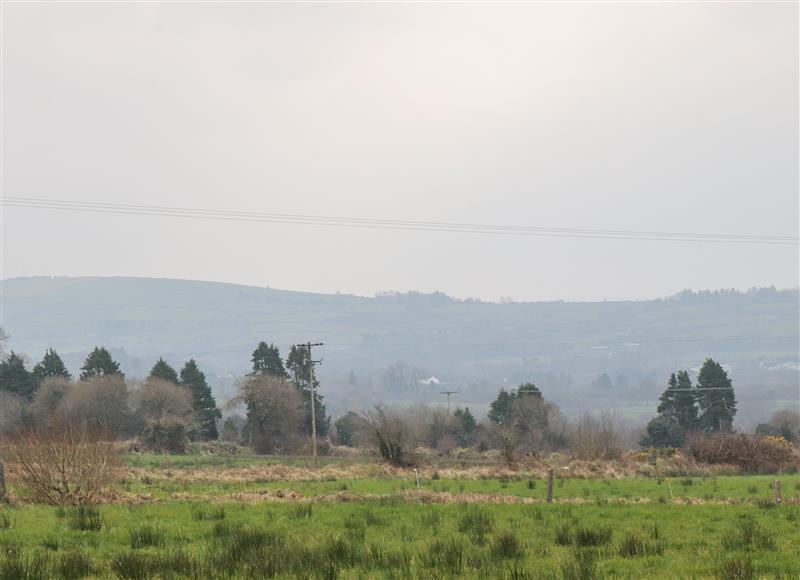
395 539
191 526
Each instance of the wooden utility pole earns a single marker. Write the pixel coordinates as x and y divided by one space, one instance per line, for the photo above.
311 364
448 393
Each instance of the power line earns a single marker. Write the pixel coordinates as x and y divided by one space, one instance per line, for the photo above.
387 224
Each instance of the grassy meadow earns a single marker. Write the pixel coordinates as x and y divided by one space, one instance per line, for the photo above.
256 517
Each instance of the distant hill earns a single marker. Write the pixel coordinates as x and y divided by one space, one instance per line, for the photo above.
584 355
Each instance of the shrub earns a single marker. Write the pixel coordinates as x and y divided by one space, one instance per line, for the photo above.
64 465
390 436
750 453
598 437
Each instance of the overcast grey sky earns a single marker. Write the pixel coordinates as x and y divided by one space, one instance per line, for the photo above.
665 117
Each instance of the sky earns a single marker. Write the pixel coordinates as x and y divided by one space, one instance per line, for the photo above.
668 117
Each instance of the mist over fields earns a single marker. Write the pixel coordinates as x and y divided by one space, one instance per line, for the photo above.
405 348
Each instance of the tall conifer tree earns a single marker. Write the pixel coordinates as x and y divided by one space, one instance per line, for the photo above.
51 366
163 370
99 363
716 398
205 406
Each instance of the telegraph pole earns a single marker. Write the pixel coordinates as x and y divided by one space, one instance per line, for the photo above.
448 393
311 364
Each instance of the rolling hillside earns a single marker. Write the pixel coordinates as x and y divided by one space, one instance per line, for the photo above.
383 348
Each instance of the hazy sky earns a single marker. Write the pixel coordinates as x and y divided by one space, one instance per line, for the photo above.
664 117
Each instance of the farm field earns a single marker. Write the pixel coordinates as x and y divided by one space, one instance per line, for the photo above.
199 518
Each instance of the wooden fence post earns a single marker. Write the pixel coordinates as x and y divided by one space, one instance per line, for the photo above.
550 486
3 492
778 491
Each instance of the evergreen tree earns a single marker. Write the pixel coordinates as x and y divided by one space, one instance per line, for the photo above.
51 366
664 431
297 363
501 409
717 406
205 407
99 363
163 370
15 378
267 361
527 389
466 420
679 401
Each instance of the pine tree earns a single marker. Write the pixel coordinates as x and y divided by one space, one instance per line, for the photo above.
527 389
679 401
163 370
717 406
267 361
297 364
501 409
466 420
51 366
15 378
205 406
99 363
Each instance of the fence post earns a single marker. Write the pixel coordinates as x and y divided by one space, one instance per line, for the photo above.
550 486
778 491
3 492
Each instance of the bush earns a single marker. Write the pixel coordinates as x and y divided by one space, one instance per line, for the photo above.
65 465
750 453
390 437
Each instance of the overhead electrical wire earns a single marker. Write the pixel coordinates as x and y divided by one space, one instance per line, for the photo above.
387 224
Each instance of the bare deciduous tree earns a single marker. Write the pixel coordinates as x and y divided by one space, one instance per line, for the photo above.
390 435
167 415
275 416
62 465
100 402
598 437
46 405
